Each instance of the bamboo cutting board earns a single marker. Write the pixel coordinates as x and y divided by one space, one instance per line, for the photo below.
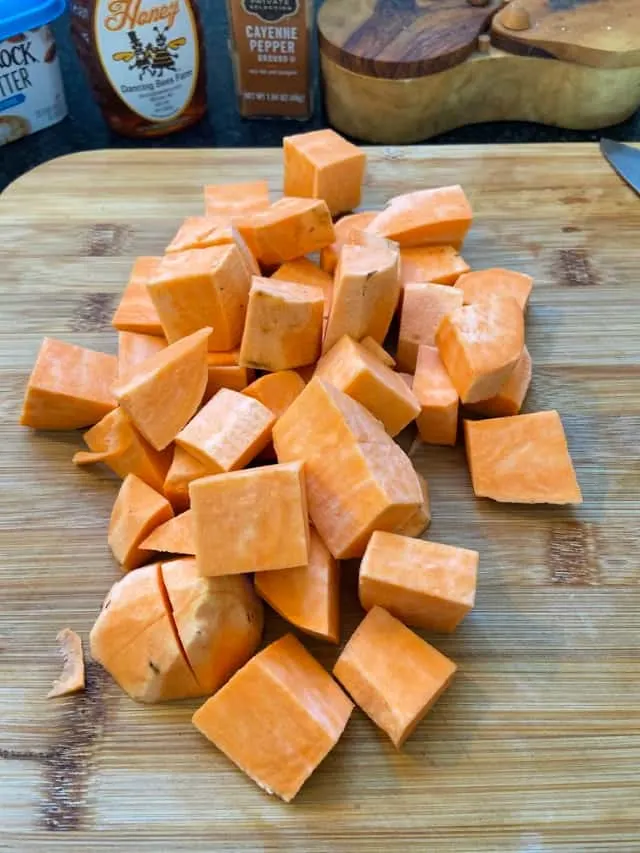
536 746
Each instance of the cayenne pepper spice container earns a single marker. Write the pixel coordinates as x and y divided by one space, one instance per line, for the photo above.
271 51
145 62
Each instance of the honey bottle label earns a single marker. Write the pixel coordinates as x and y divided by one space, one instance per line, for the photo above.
149 53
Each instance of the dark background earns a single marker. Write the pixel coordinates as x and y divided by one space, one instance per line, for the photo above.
85 129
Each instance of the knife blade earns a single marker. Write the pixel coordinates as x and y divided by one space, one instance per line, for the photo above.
624 159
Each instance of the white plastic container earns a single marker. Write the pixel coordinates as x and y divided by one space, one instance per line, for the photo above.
31 90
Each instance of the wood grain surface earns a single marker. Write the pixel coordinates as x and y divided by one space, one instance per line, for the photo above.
493 85
599 33
536 746
400 39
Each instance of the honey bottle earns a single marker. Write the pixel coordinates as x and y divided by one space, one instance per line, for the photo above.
145 62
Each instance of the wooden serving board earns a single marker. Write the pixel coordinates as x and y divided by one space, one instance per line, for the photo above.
536 746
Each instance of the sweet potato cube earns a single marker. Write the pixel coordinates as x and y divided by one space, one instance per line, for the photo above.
284 691
436 217
219 621
521 459
358 479
236 199
228 432
304 271
230 376
479 284
284 325
357 372
423 307
435 264
138 509
290 228
438 399
251 521
136 312
321 164
392 674
134 639
276 391
480 345
307 596
133 349
421 519
378 350
203 287
510 397
184 469
174 536
116 442
366 290
203 232
343 229
424 584
69 387
166 389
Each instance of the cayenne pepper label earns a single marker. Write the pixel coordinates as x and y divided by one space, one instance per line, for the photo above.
271 56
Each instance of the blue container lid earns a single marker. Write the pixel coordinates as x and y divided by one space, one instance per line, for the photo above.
18 16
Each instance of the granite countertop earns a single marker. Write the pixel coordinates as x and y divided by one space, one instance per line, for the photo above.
84 129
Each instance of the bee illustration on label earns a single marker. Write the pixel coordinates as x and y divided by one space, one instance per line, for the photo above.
152 59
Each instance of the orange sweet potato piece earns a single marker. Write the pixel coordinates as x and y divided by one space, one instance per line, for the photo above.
343 229
436 264
115 442
357 372
72 678
69 387
251 521
434 217
423 583
230 376
423 307
166 389
285 691
510 397
138 509
521 459
304 271
135 640
136 312
392 674
218 621
202 287
276 391
284 325
378 350
133 349
184 470
421 519
236 199
203 232
366 291
438 399
290 228
480 345
228 432
307 596
175 536
357 477
321 164
479 284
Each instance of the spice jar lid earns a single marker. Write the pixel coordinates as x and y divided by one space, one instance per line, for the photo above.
403 38
18 16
